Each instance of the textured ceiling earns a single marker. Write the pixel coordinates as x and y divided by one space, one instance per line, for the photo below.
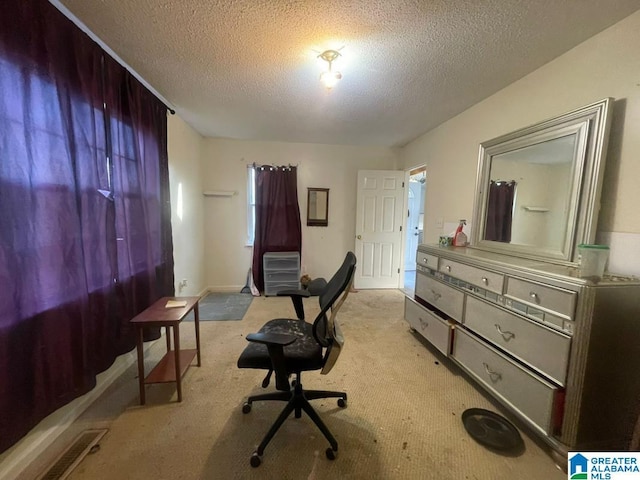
247 69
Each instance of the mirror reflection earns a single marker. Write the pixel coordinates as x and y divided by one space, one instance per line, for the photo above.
529 194
317 207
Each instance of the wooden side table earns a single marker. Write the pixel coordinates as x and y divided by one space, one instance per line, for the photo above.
175 362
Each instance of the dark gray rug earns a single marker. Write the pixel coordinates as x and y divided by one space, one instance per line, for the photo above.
223 306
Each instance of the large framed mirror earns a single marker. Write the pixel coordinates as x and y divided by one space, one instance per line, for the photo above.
538 188
317 207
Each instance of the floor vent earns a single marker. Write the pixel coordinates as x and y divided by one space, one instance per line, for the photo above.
86 442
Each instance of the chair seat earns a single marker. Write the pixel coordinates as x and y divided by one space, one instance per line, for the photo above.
303 354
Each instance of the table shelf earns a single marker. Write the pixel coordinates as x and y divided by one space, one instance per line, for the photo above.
165 370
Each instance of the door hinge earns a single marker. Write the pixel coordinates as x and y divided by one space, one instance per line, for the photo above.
402 184
398 270
400 227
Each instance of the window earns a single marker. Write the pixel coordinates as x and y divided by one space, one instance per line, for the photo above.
251 204
44 124
64 156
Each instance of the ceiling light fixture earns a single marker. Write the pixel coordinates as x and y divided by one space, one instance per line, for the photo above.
330 77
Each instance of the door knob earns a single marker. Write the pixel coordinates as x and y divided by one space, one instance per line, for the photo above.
359 237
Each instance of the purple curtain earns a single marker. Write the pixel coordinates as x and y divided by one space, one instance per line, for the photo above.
500 211
137 140
278 227
71 273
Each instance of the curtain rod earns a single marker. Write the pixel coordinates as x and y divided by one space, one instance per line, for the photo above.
67 13
266 165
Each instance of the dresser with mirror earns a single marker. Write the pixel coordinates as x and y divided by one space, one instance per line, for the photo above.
555 348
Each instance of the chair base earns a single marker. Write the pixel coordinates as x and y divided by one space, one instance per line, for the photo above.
297 401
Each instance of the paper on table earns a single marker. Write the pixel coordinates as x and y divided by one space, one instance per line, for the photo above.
175 303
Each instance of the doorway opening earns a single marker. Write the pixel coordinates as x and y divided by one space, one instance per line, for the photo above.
415 223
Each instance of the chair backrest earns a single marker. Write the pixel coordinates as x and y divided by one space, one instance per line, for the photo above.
325 328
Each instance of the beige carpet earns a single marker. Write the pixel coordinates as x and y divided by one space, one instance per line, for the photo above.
402 420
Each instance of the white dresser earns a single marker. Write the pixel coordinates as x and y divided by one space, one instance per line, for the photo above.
281 271
560 352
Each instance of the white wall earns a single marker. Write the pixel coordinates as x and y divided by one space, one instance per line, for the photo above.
224 167
607 65
185 179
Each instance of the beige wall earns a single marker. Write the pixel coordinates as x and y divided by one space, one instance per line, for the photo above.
185 179
224 167
607 65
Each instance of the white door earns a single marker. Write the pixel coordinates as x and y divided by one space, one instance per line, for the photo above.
379 216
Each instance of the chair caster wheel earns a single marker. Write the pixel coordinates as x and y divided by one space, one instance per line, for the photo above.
342 403
255 460
246 408
331 453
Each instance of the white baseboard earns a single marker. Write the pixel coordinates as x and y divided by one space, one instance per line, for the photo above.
17 458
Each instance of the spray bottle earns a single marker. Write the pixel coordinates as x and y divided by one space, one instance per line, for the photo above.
460 238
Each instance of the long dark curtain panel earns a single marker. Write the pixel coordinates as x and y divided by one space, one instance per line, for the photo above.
500 211
65 228
137 135
278 226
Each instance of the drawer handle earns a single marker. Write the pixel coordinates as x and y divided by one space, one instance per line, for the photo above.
436 295
534 295
506 335
448 267
424 324
485 280
494 376
425 260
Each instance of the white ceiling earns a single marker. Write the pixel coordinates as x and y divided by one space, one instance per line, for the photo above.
247 69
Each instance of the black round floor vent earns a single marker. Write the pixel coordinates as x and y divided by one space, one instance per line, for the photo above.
493 431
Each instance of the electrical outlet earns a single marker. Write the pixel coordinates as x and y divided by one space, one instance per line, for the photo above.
440 222
184 282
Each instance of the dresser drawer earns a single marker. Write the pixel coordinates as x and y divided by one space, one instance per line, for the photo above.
524 391
281 261
272 288
436 330
476 276
539 346
441 296
280 275
562 302
426 260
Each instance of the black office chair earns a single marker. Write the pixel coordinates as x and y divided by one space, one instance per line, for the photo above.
286 347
